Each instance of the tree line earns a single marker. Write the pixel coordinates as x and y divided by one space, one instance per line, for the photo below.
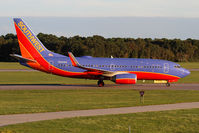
98 46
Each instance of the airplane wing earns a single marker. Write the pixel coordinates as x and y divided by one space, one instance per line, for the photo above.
106 73
19 57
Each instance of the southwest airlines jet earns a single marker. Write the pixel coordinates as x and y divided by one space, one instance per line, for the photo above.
119 70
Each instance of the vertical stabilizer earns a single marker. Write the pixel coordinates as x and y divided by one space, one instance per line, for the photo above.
30 45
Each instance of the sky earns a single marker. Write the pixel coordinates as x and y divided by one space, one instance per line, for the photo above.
100 8
108 18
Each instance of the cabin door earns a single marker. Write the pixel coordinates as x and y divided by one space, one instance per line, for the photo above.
166 67
153 68
112 66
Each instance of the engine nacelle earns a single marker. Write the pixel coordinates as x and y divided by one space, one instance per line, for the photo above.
125 79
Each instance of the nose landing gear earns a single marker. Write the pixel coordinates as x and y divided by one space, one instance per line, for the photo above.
100 83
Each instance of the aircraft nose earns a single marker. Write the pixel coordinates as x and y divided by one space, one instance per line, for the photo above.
186 72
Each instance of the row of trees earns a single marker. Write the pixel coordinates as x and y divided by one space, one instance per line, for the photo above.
98 46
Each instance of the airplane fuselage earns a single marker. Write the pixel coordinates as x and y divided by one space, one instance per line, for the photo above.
145 69
119 70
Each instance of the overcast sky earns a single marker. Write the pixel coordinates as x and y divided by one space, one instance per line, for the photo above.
109 18
96 8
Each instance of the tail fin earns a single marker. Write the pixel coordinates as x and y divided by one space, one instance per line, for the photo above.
30 45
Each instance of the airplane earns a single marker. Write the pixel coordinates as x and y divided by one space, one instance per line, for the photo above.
119 70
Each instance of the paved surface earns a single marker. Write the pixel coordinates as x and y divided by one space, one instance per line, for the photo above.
93 86
22 118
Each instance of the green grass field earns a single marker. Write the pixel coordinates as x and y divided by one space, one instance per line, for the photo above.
33 101
35 77
43 78
177 121
189 65
29 101
11 65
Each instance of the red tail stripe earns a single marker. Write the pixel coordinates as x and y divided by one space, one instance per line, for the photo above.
27 44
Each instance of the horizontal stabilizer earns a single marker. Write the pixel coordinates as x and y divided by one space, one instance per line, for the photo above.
19 57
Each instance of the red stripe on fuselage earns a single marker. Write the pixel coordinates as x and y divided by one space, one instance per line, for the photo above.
154 76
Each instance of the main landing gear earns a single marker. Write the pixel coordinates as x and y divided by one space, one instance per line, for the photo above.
100 83
168 84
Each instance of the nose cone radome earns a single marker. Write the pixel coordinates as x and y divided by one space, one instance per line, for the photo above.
186 72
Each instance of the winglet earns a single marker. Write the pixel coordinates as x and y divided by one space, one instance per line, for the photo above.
75 63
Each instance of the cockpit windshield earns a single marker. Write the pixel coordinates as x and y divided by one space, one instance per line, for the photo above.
178 66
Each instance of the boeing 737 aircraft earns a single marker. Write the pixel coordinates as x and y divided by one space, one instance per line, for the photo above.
119 70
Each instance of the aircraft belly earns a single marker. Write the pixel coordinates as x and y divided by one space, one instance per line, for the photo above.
153 76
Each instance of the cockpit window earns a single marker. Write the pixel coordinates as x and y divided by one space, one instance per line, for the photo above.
177 66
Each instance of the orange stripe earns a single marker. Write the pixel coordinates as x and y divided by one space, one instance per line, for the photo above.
26 54
24 51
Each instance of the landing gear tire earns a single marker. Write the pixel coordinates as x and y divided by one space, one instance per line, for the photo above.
100 83
168 84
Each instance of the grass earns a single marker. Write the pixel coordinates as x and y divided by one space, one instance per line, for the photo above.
11 65
40 78
189 65
176 121
32 101
43 78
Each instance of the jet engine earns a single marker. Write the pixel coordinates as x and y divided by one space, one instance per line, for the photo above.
125 79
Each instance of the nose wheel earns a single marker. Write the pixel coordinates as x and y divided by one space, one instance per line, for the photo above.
100 83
